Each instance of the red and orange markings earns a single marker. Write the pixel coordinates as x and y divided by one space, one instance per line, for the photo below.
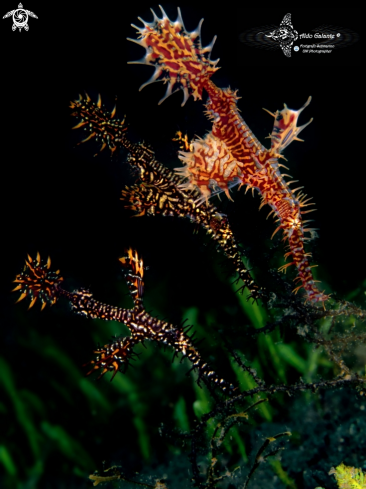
230 152
176 54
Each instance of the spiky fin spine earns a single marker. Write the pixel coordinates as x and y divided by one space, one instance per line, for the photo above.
37 281
177 55
284 128
98 122
114 356
134 271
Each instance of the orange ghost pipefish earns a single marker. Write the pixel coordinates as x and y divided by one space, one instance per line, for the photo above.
230 153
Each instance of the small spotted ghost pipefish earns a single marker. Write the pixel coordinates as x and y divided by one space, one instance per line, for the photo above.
38 282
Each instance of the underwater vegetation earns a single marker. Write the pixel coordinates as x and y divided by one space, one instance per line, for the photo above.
274 395
348 477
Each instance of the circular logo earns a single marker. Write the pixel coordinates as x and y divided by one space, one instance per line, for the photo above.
20 17
296 48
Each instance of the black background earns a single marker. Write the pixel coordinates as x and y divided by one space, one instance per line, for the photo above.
51 202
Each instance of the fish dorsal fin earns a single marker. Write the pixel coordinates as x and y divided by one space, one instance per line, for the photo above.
285 129
177 55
